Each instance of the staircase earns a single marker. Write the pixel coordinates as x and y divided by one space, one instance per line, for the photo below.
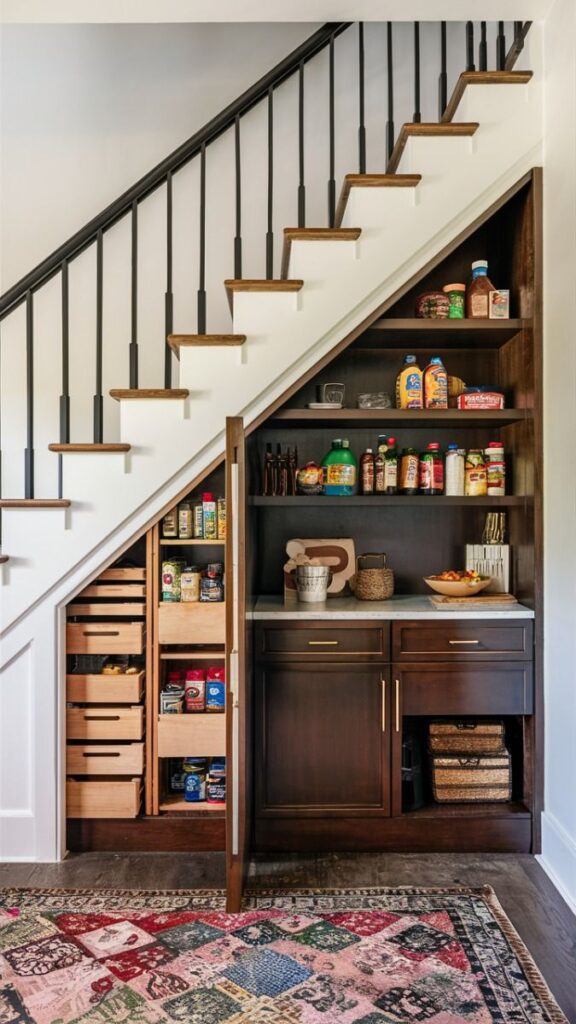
333 281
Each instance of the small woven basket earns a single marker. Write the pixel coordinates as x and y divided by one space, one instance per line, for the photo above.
373 581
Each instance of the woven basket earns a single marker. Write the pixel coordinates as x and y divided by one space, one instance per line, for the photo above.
373 581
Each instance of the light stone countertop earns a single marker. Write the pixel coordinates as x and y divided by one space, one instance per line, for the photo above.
403 606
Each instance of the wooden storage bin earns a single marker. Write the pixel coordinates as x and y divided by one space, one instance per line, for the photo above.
105 723
105 759
98 688
198 623
192 735
105 798
105 637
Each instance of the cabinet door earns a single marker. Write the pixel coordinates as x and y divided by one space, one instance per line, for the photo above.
322 740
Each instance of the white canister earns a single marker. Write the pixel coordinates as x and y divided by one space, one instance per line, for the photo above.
454 470
312 582
495 469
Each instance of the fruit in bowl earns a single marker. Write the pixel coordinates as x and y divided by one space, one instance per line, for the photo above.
458 583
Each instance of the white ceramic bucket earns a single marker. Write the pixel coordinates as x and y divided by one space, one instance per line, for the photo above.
312 582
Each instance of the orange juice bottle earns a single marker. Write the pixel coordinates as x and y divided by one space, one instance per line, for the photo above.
435 385
409 385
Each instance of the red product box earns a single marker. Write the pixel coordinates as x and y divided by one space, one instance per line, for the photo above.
481 400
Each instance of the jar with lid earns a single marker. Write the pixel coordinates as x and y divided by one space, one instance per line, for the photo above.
454 470
477 293
431 470
495 469
475 485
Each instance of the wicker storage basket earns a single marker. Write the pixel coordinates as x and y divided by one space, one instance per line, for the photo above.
373 581
465 779
466 737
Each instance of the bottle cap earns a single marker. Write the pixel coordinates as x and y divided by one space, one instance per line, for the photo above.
409 359
345 442
455 287
433 446
452 448
495 444
391 442
436 360
369 451
207 496
480 265
337 443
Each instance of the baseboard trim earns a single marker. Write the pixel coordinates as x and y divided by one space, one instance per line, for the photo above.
558 858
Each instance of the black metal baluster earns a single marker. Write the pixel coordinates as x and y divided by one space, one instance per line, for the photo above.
29 451
238 237
500 47
301 185
270 232
168 297
417 116
443 78
390 73
64 435
134 313
98 400
331 117
361 113
201 326
470 65
483 49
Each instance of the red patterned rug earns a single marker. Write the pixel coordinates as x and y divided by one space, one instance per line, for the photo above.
346 956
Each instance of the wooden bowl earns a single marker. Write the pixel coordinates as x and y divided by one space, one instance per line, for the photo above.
457 588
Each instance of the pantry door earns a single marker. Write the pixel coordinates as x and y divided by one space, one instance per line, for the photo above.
238 668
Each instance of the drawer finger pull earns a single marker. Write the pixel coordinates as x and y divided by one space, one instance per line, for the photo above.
323 643
99 753
453 642
101 632
101 718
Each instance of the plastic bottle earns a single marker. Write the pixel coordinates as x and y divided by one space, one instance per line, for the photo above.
408 483
431 470
340 470
435 385
454 471
367 472
409 385
391 468
477 303
495 469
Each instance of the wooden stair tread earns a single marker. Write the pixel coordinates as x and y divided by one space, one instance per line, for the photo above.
135 393
3 559
482 78
372 181
428 129
35 503
89 447
178 341
260 285
314 235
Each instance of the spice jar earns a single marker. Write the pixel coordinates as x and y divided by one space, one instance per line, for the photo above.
456 296
495 469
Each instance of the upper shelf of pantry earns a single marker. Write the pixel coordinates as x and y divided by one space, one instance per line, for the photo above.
424 334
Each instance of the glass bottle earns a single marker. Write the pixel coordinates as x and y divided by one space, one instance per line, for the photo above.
477 304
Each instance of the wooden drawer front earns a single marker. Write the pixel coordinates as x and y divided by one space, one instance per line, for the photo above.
105 637
120 575
107 798
105 723
503 688
129 590
324 642
192 735
105 759
460 640
104 689
192 623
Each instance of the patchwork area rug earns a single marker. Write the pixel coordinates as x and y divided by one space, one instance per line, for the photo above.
357 956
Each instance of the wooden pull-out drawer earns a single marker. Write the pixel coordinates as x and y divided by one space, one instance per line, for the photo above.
107 590
105 798
132 573
105 759
324 641
462 640
105 637
104 723
198 623
100 688
503 688
192 735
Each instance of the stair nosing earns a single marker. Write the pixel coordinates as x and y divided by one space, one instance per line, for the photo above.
134 394
37 503
178 341
95 448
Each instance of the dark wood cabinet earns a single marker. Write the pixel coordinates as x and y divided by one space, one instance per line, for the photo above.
497 688
462 640
338 640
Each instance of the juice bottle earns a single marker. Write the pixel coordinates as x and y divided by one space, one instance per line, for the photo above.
435 385
409 385
340 469
391 468
431 470
477 305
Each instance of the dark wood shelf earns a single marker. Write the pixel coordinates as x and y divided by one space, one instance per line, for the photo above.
430 334
417 500
513 808
400 417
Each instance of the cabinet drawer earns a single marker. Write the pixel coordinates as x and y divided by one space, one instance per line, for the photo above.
503 688
98 688
192 623
311 639
104 723
192 735
105 759
105 637
460 640
106 798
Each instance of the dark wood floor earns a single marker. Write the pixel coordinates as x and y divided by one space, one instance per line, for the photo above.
543 920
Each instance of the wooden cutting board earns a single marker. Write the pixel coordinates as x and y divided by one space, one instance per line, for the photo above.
479 601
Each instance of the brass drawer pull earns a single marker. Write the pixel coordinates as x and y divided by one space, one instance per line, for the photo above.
463 641
101 718
397 681
99 753
383 681
323 643
101 632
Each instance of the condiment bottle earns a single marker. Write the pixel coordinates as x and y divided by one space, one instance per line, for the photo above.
408 472
379 471
391 468
475 485
454 471
339 469
409 385
456 296
435 385
431 470
367 472
495 469
477 303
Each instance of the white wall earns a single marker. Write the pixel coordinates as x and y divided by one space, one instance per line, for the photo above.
559 825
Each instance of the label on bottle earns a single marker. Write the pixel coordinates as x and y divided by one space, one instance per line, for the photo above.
340 474
479 304
390 475
367 470
475 476
379 475
425 473
495 477
409 472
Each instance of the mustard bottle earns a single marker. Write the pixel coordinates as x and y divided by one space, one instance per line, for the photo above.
409 385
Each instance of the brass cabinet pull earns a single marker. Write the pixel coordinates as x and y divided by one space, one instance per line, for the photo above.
383 681
101 718
323 643
397 681
98 753
101 632
463 642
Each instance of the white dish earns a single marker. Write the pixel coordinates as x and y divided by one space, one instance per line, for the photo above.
324 405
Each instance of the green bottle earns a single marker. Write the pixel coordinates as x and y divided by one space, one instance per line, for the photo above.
340 469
